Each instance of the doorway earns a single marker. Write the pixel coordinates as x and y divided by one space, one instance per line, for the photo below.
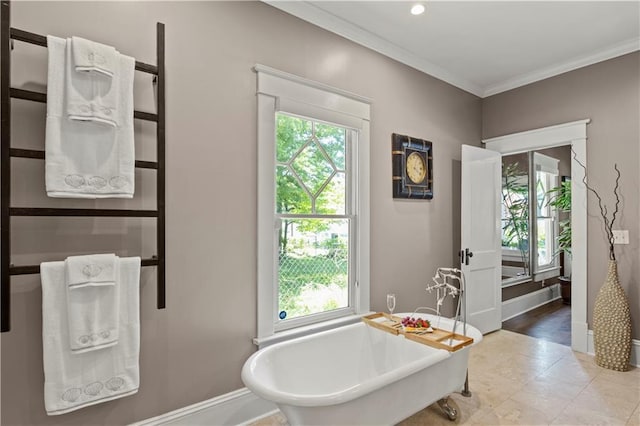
573 134
536 242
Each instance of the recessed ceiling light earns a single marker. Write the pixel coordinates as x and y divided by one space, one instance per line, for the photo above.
417 9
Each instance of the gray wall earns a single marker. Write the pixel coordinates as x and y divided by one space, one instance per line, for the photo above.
562 153
194 349
609 94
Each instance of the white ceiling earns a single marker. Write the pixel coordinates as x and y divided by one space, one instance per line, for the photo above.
483 47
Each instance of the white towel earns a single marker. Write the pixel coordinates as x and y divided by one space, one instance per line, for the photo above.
92 57
90 96
72 380
92 301
85 159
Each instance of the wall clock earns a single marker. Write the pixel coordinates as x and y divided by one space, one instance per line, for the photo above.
412 167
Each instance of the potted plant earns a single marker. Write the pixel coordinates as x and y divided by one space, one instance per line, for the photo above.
560 197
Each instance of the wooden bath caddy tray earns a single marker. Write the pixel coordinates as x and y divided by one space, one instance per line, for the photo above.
437 339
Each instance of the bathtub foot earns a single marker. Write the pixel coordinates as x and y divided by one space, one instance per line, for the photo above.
451 412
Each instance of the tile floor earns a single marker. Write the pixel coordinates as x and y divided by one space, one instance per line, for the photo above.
520 380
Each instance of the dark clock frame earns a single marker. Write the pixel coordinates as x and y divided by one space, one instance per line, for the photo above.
401 147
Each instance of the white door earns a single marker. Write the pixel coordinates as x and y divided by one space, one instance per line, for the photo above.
481 236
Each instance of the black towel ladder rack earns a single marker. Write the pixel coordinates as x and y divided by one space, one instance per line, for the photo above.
6 152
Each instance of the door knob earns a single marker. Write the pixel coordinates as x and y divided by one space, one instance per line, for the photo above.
467 255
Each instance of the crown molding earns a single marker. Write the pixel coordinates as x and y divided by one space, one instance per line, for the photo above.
610 52
328 21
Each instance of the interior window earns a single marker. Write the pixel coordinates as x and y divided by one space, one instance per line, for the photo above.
515 218
546 178
529 223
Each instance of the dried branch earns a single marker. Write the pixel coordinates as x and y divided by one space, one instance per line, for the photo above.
616 193
608 224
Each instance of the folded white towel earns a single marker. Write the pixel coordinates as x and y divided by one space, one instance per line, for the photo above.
85 159
91 269
90 96
73 380
89 56
92 301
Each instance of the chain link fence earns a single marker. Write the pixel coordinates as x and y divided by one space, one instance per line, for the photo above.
313 278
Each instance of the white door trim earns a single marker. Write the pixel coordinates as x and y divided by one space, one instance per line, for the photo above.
574 134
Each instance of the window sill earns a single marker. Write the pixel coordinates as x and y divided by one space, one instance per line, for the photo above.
547 273
281 336
516 281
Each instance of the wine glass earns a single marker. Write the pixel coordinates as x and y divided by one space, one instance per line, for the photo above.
391 302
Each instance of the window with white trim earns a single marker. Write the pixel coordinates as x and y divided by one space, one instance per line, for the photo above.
313 204
546 226
529 222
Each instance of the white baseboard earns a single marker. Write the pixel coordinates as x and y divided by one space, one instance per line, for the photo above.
635 349
239 407
521 304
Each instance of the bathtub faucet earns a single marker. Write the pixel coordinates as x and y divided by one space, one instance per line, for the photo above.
441 284
443 287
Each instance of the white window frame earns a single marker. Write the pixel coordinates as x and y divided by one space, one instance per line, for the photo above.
351 148
278 91
543 163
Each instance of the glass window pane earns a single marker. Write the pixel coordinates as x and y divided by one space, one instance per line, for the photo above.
333 197
515 216
312 167
545 241
313 259
290 197
332 140
544 182
291 134
515 205
313 268
515 219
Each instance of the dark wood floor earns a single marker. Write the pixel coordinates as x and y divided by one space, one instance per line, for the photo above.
550 322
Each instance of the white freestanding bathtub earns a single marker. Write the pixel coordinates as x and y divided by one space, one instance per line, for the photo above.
356 374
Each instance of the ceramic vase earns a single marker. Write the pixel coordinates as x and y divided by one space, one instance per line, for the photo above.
612 324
